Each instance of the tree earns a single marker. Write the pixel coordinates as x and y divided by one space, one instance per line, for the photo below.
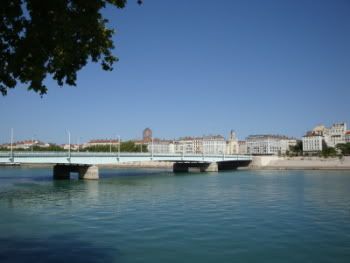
344 148
127 146
296 149
56 37
328 151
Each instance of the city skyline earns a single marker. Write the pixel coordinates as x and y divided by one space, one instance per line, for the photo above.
254 67
142 136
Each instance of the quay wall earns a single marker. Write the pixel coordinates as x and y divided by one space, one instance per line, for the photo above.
275 162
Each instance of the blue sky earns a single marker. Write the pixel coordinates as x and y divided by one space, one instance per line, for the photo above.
202 67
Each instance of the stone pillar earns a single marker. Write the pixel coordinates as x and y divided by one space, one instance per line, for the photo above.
209 167
180 168
61 172
88 172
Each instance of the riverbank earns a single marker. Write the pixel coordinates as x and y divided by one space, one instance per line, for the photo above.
299 163
258 163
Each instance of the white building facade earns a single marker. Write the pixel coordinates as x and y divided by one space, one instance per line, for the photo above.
337 134
214 145
332 136
312 143
268 144
161 146
185 146
242 147
347 137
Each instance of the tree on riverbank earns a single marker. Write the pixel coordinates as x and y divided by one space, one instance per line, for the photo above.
128 146
344 148
296 150
56 38
328 151
51 148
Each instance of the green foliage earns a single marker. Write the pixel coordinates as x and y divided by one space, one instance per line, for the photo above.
100 148
51 148
128 146
328 152
344 148
55 37
296 149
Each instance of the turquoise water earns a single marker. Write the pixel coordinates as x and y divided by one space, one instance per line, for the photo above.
154 216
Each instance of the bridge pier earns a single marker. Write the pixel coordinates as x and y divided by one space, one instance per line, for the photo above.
180 167
203 167
209 167
86 172
232 165
61 172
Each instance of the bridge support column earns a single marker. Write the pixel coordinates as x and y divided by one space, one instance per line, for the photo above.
209 167
88 172
61 172
180 168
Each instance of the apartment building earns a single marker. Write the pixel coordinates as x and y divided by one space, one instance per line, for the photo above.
312 142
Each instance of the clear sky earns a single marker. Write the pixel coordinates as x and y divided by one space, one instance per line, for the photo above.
194 67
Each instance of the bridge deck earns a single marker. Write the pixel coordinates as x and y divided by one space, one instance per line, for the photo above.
95 158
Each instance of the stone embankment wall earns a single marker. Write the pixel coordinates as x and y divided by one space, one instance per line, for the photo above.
275 162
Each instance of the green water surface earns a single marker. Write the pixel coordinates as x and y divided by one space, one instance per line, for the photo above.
155 216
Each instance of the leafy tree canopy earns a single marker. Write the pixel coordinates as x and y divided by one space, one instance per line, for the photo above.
328 151
128 146
298 148
344 148
53 37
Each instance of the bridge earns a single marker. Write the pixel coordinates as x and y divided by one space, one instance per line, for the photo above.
86 163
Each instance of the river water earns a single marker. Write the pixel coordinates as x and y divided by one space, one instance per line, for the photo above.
156 216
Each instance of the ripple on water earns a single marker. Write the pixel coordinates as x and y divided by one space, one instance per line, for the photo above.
136 216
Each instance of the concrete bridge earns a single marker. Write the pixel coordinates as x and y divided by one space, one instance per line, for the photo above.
85 163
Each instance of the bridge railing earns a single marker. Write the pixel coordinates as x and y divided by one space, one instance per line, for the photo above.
114 154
